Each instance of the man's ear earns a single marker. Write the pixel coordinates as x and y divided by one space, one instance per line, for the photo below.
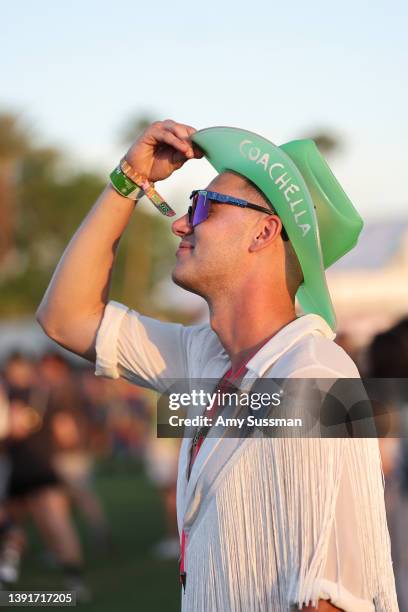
266 232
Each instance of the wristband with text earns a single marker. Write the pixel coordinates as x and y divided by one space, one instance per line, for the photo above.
148 188
123 185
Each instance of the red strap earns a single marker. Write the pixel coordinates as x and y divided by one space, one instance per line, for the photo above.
182 557
230 377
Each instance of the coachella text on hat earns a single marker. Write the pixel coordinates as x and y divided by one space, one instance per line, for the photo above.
283 181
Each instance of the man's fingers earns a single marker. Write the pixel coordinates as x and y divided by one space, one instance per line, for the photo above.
178 159
198 154
175 135
182 131
196 150
167 136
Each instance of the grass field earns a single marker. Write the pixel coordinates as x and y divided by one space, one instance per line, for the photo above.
128 578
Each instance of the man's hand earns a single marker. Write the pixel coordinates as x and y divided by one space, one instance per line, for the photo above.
162 148
73 306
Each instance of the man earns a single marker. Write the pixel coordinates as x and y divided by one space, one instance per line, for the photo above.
265 524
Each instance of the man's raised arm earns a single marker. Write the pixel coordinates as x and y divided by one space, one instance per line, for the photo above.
73 305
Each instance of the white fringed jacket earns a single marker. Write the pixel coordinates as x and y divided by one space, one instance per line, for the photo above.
272 523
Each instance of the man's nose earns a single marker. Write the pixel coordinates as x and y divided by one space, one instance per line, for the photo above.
181 227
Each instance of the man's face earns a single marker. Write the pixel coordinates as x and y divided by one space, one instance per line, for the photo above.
211 257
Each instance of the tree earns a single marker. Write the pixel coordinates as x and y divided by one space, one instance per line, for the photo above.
48 203
14 143
134 127
327 142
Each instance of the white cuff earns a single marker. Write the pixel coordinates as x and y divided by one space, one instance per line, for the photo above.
340 597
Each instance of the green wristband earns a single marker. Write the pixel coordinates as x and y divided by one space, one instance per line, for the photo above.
123 185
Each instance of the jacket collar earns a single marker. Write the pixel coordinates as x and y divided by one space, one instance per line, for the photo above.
289 335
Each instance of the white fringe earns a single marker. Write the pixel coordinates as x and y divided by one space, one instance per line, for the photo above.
261 544
372 531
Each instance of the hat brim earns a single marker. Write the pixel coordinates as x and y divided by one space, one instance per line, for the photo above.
261 162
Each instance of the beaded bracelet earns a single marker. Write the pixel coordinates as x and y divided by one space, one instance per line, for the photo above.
148 188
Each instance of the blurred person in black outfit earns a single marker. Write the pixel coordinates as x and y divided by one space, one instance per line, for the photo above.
34 487
72 457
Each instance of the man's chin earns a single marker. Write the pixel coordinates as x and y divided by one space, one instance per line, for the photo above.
183 281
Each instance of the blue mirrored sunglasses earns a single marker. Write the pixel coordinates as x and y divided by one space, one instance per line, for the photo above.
200 206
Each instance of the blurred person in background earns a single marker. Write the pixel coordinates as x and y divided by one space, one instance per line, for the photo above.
161 460
97 394
20 378
72 456
125 426
345 340
34 488
129 420
387 358
7 569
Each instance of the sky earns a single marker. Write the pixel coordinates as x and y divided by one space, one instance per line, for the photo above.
79 71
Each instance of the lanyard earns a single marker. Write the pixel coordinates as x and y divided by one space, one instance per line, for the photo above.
229 377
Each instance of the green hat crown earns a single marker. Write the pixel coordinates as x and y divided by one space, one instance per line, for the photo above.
320 220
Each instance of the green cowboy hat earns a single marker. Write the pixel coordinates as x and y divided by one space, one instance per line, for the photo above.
321 222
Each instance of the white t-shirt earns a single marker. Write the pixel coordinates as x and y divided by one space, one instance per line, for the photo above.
335 542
